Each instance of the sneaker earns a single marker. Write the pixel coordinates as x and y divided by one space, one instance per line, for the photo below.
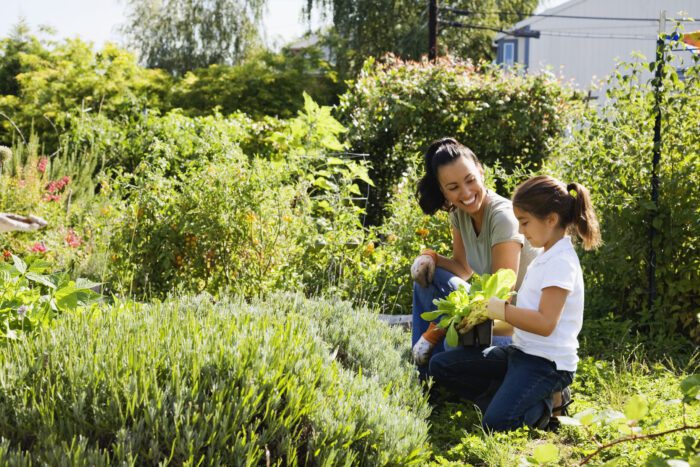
564 403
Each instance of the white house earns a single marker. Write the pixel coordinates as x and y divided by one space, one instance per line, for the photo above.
583 39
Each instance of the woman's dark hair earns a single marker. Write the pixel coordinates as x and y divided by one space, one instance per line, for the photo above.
543 195
441 152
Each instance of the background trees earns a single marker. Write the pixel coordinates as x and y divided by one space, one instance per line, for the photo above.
181 35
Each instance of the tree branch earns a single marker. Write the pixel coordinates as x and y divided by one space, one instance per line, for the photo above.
634 438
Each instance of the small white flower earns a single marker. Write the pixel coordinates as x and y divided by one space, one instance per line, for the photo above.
22 311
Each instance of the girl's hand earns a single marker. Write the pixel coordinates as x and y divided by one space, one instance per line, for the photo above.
496 308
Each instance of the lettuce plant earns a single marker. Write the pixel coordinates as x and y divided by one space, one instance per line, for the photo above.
471 302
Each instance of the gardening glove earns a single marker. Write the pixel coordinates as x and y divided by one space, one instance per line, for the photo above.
497 308
425 345
464 326
423 268
11 222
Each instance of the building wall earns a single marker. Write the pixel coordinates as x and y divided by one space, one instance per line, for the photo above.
593 55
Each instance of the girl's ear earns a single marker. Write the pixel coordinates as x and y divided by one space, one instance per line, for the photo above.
552 219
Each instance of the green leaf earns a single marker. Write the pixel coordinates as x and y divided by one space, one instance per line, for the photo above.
690 387
82 283
20 265
431 315
569 421
452 337
587 417
637 407
546 453
44 280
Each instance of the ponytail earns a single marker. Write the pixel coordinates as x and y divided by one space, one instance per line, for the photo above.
544 195
584 221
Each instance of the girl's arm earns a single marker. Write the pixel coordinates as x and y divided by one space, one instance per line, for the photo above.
458 264
542 321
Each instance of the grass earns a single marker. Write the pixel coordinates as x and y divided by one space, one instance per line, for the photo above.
458 439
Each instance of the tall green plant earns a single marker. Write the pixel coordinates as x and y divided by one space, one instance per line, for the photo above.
611 153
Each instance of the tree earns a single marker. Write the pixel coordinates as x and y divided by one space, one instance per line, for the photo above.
182 35
363 28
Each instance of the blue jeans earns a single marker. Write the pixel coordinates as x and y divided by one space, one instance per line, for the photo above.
444 282
511 388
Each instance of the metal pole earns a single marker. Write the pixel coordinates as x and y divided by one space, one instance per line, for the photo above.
432 30
658 78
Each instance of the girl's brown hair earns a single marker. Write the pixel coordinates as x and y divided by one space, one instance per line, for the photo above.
544 195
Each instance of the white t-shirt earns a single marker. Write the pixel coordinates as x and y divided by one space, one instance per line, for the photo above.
557 267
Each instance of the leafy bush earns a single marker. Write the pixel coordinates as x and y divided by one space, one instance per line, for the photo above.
59 80
282 382
31 295
61 189
395 109
611 153
266 84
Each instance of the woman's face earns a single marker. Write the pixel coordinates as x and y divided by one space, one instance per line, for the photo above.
462 184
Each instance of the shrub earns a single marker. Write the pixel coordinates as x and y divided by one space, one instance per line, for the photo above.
281 382
395 109
611 153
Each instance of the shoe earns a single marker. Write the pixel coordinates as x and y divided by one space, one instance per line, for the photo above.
566 401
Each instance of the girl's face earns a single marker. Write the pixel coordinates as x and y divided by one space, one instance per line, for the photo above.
541 233
462 184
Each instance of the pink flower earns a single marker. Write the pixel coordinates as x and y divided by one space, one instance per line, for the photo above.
41 166
39 247
48 197
72 239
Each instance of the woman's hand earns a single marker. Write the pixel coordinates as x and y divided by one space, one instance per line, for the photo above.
423 270
11 222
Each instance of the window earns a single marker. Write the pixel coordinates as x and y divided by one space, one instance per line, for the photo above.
508 53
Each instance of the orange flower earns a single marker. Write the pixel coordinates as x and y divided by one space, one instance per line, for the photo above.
422 232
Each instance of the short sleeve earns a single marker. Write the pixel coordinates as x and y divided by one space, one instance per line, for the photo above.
560 273
504 228
453 219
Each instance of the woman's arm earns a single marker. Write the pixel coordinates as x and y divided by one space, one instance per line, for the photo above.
544 320
458 264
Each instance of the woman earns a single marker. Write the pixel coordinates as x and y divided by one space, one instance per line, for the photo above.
485 239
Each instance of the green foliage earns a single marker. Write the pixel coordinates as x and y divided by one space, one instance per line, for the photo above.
201 215
471 303
372 28
188 382
182 35
264 84
611 154
394 110
603 391
69 78
32 296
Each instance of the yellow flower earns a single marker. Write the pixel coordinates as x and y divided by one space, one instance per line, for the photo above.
422 232
369 249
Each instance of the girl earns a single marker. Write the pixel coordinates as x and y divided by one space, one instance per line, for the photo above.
517 385
485 238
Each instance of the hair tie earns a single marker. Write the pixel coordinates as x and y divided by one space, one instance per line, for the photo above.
571 188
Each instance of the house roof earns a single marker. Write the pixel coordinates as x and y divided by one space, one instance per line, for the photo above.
536 19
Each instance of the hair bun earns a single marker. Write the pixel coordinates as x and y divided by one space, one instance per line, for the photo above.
572 188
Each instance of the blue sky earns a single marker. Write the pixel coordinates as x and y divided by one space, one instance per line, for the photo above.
98 20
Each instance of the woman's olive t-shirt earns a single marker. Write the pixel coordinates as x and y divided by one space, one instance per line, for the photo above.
499 225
